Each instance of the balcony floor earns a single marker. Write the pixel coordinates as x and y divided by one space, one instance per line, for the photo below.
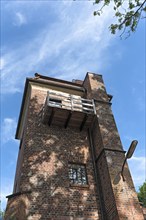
67 118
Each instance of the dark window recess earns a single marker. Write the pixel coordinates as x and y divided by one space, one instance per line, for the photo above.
55 102
77 174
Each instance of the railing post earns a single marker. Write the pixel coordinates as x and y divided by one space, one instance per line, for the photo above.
94 106
77 104
71 99
48 98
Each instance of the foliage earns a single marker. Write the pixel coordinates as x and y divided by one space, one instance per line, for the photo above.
142 194
128 14
1 212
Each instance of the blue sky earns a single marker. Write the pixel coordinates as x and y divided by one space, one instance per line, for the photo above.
63 39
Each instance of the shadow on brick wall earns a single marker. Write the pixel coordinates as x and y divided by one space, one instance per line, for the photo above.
44 171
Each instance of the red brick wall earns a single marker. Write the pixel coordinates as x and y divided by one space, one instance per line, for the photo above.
17 208
119 197
44 167
47 152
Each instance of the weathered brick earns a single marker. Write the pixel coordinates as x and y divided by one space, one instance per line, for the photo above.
42 175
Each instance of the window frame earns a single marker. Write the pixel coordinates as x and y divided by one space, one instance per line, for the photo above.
77 182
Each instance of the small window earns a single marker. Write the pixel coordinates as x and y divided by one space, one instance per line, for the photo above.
77 174
55 102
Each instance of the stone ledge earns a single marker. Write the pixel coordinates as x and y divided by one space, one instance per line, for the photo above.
17 194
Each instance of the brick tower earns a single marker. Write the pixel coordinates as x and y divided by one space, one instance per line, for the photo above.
70 155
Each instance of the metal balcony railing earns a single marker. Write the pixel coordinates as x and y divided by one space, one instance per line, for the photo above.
70 102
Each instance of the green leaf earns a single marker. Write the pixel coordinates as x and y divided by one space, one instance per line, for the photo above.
137 15
144 9
128 22
137 3
106 2
134 24
113 28
120 27
95 13
118 14
119 4
97 1
142 194
131 5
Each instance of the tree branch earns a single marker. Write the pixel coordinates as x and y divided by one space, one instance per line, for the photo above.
134 13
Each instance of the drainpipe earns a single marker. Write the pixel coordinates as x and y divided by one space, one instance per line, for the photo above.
97 178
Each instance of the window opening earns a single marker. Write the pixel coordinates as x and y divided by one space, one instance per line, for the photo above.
77 174
55 102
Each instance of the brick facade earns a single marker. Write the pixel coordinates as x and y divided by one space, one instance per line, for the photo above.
42 188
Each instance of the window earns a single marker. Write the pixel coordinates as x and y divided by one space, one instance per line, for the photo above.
55 102
77 174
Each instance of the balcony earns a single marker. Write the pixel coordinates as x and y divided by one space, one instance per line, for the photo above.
65 110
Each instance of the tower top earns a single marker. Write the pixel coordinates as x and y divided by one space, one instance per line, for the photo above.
92 87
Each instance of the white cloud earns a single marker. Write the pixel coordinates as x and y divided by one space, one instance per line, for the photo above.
20 19
8 130
2 63
72 44
138 170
